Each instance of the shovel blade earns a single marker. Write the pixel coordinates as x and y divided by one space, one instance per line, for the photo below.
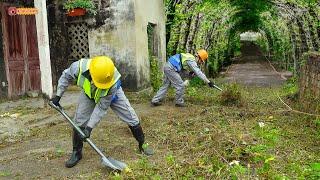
114 164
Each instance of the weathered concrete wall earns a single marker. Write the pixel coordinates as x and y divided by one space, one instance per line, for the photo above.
310 83
119 30
116 38
58 39
123 36
150 11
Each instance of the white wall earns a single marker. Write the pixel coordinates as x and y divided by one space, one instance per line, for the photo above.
149 11
124 38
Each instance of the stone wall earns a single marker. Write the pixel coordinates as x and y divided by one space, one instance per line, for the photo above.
309 94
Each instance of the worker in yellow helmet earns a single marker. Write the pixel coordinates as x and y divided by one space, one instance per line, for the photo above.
175 64
100 81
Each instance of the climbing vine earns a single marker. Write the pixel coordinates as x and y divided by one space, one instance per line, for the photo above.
287 28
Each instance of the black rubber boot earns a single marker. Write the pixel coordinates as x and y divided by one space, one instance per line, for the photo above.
76 155
139 136
154 104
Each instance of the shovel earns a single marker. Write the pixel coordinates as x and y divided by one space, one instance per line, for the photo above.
107 161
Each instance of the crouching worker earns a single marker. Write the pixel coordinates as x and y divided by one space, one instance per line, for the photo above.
100 81
175 64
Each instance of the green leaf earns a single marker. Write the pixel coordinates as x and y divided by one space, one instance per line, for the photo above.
315 166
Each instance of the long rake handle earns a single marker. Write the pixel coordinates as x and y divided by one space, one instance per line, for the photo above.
59 109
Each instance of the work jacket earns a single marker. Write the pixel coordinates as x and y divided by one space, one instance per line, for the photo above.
84 81
186 61
79 72
179 61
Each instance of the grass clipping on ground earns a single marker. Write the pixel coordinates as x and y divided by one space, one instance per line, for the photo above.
221 136
240 133
231 96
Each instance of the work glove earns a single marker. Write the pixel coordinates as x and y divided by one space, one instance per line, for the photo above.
56 101
87 133
210 84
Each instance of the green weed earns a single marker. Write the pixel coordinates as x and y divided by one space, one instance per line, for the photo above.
312 171
5 173
59 151
196 82
291 89
155 74
231 96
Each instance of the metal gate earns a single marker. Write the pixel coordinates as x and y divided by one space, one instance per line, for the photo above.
20 52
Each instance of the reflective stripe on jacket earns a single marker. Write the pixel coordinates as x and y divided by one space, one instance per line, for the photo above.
85 83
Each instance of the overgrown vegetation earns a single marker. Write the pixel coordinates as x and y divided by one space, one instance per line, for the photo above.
208 141
155 73
205 140
288 29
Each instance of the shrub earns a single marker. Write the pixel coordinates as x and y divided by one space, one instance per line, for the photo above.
155 74
231 95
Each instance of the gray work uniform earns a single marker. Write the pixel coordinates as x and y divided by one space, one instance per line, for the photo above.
171 76
89 113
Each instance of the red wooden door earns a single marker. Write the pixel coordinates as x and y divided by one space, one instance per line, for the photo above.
20 53
32 55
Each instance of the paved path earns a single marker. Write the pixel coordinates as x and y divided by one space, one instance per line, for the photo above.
252 69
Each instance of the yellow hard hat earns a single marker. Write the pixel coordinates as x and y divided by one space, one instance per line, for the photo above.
203 54
102 72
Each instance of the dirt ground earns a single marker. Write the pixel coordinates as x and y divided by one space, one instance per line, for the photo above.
252 69
36 141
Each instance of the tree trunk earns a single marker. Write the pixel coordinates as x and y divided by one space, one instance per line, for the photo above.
193 30
171 9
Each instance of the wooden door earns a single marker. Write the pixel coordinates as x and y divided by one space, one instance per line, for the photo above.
3 75
33 62
20 53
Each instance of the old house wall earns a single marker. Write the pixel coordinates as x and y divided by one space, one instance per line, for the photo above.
58 39
116 38
118 30
123 36
152 13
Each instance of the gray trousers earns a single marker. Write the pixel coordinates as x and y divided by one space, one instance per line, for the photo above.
89 113
170 77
